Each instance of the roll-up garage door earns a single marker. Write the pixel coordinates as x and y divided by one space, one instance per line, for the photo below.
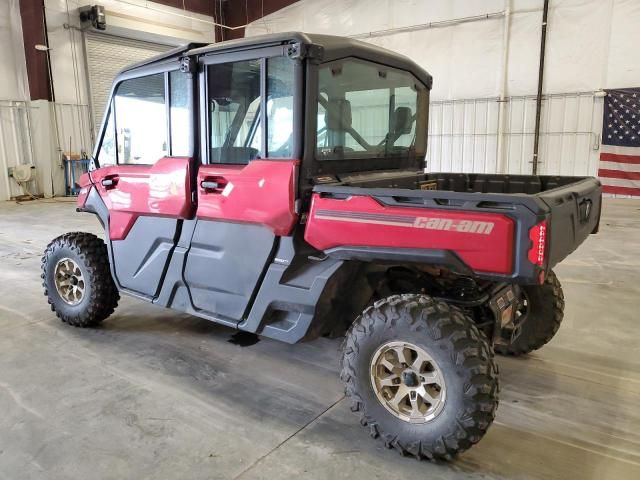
106 56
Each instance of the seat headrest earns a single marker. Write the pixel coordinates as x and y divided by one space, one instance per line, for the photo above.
338 114
402 121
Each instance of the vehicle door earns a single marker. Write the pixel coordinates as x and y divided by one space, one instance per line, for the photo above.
146 172
246 184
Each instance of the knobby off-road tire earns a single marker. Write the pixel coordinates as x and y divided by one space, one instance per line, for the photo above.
77 279
544 310
463 358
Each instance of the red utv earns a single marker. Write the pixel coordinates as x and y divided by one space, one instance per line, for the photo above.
276 185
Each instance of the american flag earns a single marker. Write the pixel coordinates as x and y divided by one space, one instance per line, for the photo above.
619 169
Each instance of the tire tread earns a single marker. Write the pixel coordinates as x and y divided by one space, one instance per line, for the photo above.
473 355
104 296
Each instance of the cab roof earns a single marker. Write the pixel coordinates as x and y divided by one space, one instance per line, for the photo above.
326 48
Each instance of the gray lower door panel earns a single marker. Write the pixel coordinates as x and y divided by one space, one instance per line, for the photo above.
224 265
140 259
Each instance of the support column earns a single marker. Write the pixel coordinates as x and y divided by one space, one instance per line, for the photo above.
33 33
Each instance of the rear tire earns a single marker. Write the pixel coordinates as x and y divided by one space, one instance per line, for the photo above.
545 310
77 279
462 401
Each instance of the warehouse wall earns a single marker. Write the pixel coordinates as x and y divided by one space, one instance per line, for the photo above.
14 94
156 24
588 49
38 132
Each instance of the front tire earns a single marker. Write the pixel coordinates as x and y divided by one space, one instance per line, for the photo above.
544 310
77 279
435 359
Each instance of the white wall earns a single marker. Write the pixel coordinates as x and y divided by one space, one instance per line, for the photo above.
13 74
14 91
590 46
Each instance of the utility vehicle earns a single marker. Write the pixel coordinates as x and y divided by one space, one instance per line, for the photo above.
277 185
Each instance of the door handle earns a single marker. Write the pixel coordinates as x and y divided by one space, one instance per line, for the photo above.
213 184
209 185
109 182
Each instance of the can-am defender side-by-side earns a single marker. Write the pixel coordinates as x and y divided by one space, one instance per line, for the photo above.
276 185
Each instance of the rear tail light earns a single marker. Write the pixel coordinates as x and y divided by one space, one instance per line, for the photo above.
538 236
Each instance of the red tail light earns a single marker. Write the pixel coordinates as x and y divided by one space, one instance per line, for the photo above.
538 236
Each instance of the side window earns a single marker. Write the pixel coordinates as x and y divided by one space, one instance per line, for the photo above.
250 133
234 111
280 107
141 120
180 114
235 100
321 134
107 152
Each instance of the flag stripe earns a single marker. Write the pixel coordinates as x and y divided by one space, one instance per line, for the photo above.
626 167
618 174
615 149
610 157
619 182
621 190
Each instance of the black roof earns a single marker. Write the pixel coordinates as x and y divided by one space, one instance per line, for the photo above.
332 48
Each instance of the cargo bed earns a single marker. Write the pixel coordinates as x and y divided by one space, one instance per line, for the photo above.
502 227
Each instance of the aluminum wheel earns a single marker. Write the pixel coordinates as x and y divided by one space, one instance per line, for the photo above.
69 281
408 382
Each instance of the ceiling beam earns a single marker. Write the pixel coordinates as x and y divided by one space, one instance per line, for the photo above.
203 7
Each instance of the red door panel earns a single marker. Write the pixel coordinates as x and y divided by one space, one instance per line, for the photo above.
483 240
130 191
261 192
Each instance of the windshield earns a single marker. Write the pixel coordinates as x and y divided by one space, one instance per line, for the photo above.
369 110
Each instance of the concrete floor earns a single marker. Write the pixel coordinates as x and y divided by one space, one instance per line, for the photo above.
157 394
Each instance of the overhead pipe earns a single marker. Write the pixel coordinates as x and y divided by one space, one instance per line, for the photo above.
424 26
536 134
500 154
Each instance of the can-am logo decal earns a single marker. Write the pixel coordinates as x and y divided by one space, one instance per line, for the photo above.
429 223
449 225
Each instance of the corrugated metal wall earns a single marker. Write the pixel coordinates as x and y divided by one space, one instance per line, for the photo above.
463 135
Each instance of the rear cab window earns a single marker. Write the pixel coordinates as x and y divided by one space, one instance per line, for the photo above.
367 110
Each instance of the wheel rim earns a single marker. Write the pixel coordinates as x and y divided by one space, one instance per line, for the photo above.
69 281
408 382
